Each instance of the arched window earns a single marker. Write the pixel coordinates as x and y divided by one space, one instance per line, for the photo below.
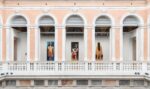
18 20
75 20
74 38
102 38
18 45
131 38
103 21
46 42
130 21
46 20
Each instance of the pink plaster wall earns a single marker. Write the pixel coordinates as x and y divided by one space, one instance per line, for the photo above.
87 13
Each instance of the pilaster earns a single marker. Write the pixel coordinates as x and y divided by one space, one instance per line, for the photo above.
31 42
89 43
118 43
60 43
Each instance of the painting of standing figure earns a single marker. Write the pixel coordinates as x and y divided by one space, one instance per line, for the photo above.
50 51
75 51
99 52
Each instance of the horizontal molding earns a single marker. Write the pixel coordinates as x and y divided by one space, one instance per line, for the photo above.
74 7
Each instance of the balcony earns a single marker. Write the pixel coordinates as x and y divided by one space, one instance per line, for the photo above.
75 69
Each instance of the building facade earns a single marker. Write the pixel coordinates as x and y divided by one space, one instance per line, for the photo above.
50 44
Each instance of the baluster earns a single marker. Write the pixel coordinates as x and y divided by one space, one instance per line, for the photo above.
56 66
63 66
93 66
144 67
121 66
28 66
86 66
5 67
114 66
35 66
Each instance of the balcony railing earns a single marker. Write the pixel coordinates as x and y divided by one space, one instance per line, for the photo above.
75 68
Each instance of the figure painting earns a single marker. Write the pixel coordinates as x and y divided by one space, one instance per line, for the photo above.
50 51
99 52
74 51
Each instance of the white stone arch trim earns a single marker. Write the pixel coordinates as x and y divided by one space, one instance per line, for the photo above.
107 15
1 28
64 33
13 15
8 29
37 35
71 14
41 15
135 15
112 43
140 32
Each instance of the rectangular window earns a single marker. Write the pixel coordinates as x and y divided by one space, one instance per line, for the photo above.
0 83
39 82
96 82
138 82
124 82
148 83
10 82
52 82
82 82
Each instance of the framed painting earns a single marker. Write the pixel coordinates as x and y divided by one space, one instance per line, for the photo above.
50 51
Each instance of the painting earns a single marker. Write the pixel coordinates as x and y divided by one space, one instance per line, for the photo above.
50 51
75 51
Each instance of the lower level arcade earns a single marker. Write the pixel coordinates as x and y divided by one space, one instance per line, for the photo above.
75 84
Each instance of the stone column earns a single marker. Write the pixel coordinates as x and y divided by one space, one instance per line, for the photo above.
148 29
141 44
7 44
112 44
1 42
37 43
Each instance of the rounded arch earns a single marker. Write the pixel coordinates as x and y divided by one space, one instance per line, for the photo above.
9 54
72 14
42 15
141 22
107 15
64 32
8 22
138 36
74 19
111 20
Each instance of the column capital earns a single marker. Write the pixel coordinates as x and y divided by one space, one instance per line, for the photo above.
59 27
33 27
116 27
6 27
143 27
89 27
1 27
